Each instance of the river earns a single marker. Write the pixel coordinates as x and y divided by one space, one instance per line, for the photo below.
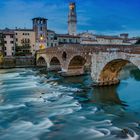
36 105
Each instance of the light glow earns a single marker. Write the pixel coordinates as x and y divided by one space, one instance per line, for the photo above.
41 38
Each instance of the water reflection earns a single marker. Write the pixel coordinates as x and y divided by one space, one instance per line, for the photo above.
136 74
99 95
107 95
130 71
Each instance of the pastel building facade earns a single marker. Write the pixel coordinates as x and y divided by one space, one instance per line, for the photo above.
9 43
25 41
122 39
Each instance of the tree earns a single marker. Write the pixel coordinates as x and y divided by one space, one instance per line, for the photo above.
1 58
138 42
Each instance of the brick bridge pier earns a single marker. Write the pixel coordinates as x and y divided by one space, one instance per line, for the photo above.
104 61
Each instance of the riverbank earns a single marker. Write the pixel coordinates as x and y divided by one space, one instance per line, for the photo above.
17 62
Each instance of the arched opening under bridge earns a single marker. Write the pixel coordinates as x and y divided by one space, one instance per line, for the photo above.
41 62
76 66
110 73
55 64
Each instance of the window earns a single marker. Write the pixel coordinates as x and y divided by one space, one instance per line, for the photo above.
11 36
41 28
28 40
12 42
55 37
4 48
70 40
5 42
22 41
23 33
16 39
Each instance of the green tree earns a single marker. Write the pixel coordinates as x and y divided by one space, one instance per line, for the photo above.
1 57
138 42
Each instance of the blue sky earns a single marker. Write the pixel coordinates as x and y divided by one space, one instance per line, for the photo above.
98 16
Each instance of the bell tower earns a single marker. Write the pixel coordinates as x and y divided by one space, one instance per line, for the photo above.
40 29
72 19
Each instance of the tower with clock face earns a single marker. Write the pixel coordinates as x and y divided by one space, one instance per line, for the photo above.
72 19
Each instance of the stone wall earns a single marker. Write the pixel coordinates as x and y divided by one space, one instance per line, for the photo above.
25 61
8 62
20 61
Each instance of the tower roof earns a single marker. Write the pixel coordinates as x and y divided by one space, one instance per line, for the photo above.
73 3
40 18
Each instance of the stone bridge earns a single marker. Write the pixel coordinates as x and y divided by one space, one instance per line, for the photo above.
69 59
103 61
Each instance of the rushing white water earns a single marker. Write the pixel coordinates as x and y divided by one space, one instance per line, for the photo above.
40 106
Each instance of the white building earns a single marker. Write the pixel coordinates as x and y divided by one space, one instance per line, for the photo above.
9 42
89 38
52 39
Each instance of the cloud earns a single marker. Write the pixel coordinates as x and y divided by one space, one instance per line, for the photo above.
102 16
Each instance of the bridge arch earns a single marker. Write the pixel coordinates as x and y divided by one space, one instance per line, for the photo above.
41 62
55 64
77 61
109 73
76 65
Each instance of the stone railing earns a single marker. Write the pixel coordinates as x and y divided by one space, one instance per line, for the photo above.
92 48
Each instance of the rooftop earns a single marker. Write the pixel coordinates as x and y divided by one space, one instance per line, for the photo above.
108 37
19 29
68 36
7 31
40 18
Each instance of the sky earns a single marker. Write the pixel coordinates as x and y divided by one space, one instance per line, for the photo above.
97 16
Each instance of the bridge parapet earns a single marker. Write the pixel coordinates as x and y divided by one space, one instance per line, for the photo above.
92 48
